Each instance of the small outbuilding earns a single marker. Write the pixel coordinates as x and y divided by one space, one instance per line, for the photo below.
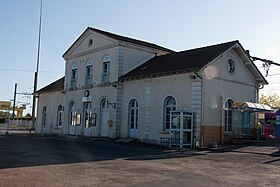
245 111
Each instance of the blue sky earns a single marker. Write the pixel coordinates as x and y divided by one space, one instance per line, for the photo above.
177 24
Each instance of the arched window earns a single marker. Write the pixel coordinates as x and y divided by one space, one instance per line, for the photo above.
106 69
133 114
59 116
74 76
168 106
72 113
88 78
44 116
104 104
228 116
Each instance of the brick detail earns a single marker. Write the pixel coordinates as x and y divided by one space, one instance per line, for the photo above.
211 134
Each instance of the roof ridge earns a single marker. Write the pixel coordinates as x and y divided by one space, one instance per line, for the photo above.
198 48
129 39
213 45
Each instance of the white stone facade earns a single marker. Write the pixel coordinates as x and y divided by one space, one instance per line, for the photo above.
134 108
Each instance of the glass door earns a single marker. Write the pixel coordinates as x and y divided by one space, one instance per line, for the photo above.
181 129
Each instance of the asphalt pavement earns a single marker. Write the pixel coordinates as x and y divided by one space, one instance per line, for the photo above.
43 161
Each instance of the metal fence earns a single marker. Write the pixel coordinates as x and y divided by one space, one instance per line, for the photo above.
18 124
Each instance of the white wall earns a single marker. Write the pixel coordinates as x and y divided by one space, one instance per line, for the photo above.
240 86
150 94
124 57
97 94
51 100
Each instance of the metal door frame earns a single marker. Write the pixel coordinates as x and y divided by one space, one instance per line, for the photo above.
181 130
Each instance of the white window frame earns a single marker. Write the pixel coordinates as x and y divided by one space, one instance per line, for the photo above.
167 108
74 76
228 116
44 116
133 111
72 114
89 72
59 116
106 69
104 104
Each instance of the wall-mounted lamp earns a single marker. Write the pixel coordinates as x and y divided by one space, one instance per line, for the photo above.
112 105
114 84
193 77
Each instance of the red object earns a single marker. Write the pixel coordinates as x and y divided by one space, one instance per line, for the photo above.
270 116
269 131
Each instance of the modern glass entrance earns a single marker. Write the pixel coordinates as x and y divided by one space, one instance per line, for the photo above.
181 129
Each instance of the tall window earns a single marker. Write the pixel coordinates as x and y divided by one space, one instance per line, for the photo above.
88 78
87 114
106 69
72 113
44 116
74 76
228 116
168 106
133 114
59 116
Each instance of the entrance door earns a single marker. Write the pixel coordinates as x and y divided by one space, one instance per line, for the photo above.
133 119
104 116
87 119
104 123
181 128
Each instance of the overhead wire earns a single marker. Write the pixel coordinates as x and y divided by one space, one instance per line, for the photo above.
26 70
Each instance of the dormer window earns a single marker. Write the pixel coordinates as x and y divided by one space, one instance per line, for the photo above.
230 66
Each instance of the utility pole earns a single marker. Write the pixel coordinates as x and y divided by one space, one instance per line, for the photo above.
36 72
7 123
14 105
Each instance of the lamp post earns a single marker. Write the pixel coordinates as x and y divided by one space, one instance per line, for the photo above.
7 123
36 72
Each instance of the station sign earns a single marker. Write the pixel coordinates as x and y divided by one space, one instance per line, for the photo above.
86 99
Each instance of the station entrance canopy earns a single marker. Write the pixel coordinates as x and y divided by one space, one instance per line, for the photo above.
250 107
245 111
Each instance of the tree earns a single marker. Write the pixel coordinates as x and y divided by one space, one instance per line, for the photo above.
3 114
272 100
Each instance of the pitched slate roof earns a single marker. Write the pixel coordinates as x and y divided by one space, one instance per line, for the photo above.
122 38
57 85
184 61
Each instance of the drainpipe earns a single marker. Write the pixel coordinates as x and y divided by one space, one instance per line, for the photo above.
221 120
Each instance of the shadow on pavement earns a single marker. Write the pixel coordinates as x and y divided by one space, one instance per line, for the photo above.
258 148
26 151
